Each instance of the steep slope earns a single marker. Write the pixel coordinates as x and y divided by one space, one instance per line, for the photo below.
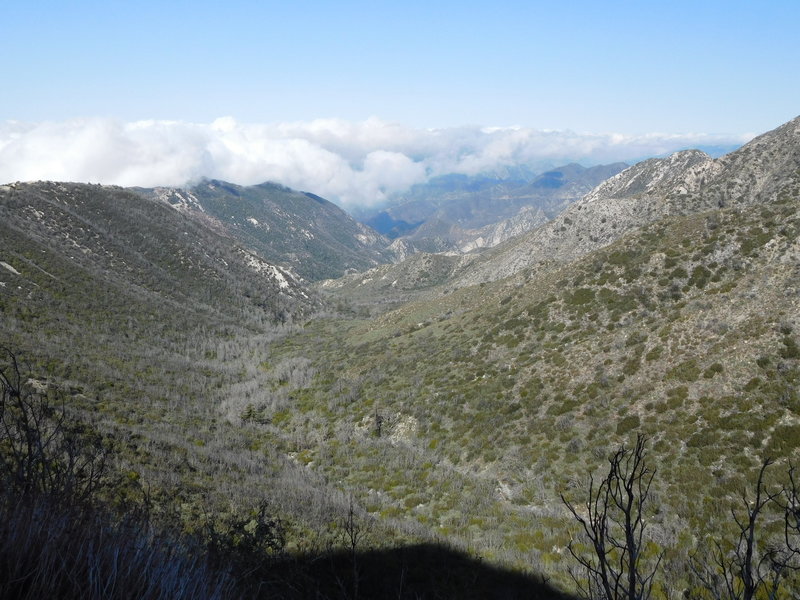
471 413
387 284
527 219
302 231
458 212
461 417
683 183
98 283
437 235
141 248
651 177
151 324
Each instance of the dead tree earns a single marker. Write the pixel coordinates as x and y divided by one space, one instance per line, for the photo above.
750 568
790 503
42 450
353 531
613 522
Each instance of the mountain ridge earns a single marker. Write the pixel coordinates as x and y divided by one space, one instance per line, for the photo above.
299 230
684 330
687 181
462 213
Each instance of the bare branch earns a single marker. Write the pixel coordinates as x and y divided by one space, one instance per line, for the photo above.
614 526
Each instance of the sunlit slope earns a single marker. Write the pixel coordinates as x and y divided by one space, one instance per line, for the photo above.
684 183
302 231
102 287
471 413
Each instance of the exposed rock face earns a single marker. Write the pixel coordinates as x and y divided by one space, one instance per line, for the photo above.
437 236
527 219
401 249
651 176
685 182
457 213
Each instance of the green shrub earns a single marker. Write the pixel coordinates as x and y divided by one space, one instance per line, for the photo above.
679 273
621 258
631 366
627 424
753 384
790 348
654 353
700 276
580 297
637 337
687 370
676 396
785 439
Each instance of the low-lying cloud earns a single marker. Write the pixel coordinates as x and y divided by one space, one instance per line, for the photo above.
353 163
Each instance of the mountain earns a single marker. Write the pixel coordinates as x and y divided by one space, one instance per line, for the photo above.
458 212
106 290
681 323
149 326
448 398
683 183
301 231
114 242
451 238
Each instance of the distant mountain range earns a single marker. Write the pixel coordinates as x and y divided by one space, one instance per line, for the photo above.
686 182
461 213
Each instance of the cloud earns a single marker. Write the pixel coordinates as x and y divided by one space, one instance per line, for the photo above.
353 163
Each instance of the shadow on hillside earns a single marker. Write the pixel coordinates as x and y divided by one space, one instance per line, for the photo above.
48 550
413 572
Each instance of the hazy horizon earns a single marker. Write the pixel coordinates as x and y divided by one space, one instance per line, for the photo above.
354 164
355 101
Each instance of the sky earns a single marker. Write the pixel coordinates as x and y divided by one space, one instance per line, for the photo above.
358 100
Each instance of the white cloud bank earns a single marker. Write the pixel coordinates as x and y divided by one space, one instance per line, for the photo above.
354 163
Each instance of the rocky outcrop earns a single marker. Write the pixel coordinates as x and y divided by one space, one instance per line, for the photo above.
683 183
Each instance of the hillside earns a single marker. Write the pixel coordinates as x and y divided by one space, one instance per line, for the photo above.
676 316
73 243
501 396
461 213
157 329
150 323
686 182
485 387
301 231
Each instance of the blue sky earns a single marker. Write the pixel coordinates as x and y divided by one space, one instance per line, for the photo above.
626 68
631 67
